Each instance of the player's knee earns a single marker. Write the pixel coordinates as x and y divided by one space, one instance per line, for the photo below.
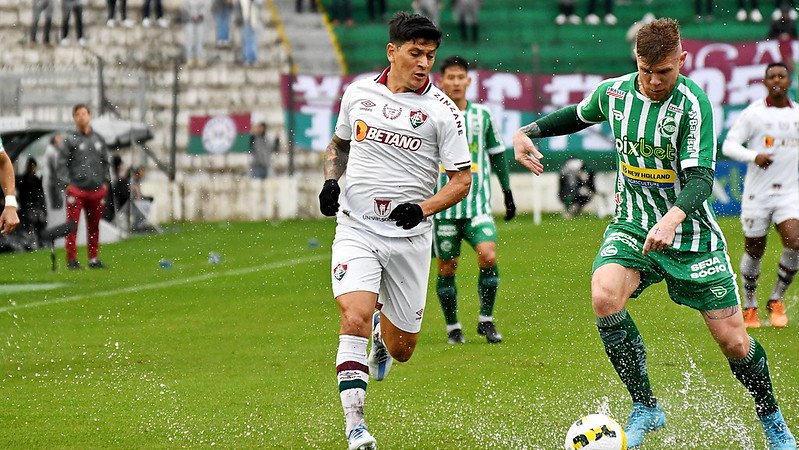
355 324
487 259
792 243
447 268
605 301
735 347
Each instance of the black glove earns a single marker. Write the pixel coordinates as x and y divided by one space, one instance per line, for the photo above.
407 215
328 198
510 206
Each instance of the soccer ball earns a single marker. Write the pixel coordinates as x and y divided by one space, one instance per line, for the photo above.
595 432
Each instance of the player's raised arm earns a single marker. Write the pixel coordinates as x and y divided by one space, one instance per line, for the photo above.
563 121
336 156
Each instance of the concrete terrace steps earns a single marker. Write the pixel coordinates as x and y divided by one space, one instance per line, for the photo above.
138 55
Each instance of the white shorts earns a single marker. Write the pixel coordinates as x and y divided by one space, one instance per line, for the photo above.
757 214
395 268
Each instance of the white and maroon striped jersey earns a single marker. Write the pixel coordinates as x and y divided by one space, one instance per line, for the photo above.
397 144
763 128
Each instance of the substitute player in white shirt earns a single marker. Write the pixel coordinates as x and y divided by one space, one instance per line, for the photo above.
392 133
8 217
766 135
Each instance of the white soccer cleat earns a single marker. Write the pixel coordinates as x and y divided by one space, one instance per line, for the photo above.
592 19
379 359
359 438
740 16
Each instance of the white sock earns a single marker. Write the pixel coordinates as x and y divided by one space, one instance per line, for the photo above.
353 375
750 272
483 318
789 263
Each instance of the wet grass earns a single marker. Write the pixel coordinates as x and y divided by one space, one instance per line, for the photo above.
241 353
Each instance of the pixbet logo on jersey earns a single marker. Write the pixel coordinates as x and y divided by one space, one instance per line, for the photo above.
365 132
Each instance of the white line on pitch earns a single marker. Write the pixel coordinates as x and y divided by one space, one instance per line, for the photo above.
165 284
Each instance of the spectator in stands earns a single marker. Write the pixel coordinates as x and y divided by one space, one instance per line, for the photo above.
467 13
428 8
567 11
68 7
754 14
32 208
705 13
123 14
137 176
341 11
159 14
262 146
42 7
593 19
120 185
783 27
248 16
55 192
299 8
784 5
194 14
222 10
83 168
377 10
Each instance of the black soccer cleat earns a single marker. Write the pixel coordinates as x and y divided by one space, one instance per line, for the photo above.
489 330
456 337
73 264
97 264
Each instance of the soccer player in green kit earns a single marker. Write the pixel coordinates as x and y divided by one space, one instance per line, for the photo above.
664 228
471 219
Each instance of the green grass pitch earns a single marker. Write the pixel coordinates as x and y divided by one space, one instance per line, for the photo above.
240 354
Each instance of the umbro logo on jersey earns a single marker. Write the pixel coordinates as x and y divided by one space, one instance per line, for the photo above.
418 118
616 93
365 132
367 105
391 113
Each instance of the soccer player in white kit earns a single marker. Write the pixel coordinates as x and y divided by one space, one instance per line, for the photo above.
8 217
392 133
769 129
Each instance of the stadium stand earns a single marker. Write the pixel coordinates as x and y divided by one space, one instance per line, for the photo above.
521 35
138 70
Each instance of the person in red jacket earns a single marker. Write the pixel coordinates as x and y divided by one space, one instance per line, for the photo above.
83 167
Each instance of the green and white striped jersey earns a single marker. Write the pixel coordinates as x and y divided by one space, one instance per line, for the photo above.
655 142
484 140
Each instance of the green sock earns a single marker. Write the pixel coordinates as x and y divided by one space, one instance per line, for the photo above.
448 297
752 372
626 351
487 283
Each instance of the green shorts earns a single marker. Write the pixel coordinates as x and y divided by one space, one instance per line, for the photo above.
448 233
702 280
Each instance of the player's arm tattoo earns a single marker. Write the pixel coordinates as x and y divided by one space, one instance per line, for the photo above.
723 313
336 156
531 130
